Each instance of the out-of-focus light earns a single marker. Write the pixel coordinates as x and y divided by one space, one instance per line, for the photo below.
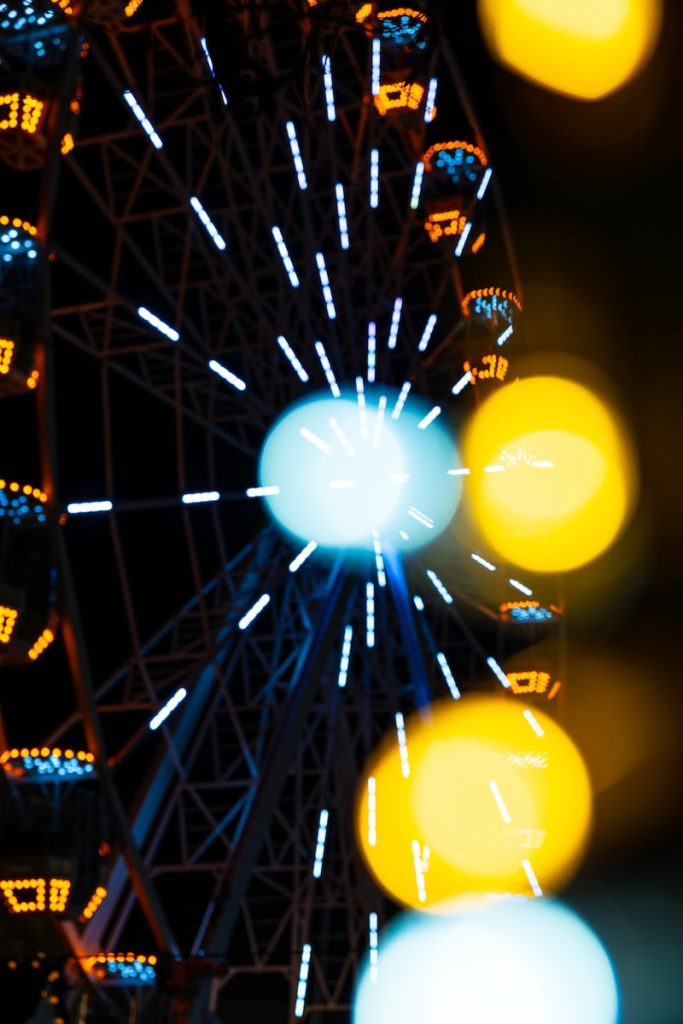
416 189
449 804
375 70
345 659
427 332
147 125
158 324
327 369
429 418
401 400
293 359
254 611
498 672
262 492
439 587
463 239
572 46
430 102
77 508
320 843
200 497
168 708
568 514
481 191
402 744
325 285
395 322
374 179
529 962
227 375
341 216
372 351
369 614
123 968
373 946
329 87
399 96
447 673
305 553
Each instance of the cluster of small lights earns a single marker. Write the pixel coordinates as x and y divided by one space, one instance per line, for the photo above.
403 27
41 644
370 614
47 762
16 239
451 223
131 7
31 112
329 87
478 242
285 257
41 893
525 611
23 15
494 304
320 843
18 502
461 161
492 367
325 285
327 369
399 96
345 657
296 155
395 323
8 620
341 216
372 351
94 903
304 969
529 682
76 508
439 587
126 968
211 228
32 379
67 144
448 675
374 179
6 353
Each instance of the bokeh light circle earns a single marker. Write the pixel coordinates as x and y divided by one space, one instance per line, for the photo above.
577 47
531 962
566 478
343 471
491 785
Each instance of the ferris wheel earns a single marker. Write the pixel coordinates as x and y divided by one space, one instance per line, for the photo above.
266 281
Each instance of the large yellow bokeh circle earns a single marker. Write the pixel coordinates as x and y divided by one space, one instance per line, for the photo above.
567 481
583 48
488 789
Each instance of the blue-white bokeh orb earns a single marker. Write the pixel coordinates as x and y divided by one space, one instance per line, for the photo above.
344 470
531 962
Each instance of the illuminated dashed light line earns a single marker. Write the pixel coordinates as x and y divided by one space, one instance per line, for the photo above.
429 418
427 333
461 384
296 155
373 944
531 878
505 335
325 285
305 553
374 179
534 723
463 239
431 100
417 185
345 657
362 409
482 561
439 587
285 257
495 468
209 225
78 508
329 87
419 865
379 420
158 324
341 216
448 675
139 113
168 708
379 559
343 439
497 796
209 62
320 843
376 66
520 586
227 375
402 744
419 603
254 611
293 359
498 672
316 441
262 492
199 497
327 369
370 614
421 518
401 400
372 811
372 351
484 184
461 471
395 323
302 985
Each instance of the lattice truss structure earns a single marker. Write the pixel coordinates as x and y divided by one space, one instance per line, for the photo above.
240 189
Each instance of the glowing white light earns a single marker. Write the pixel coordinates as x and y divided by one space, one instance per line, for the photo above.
379 424
531 877
373 943
77 508
534 722
285 257
370 614
417 185
372 351
199 497
305 553
362 409
320 843
147 125
374 179
313 439
419 858
376 66
168 707
421 518
482 561
379 558
419 603
293 359
427 333
262 492
227 375
497 796
341 216
304 968
461 384
401 400
296 156
463 239
484 183
209 62
431 100
343 439
462 471
402 744
520 586
448 675
403 535
158 324
395 323
429 418
211 228
372 811
498 672
542 464
345 657
439 587
327 369
329 88
505 335
255 610
325 284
